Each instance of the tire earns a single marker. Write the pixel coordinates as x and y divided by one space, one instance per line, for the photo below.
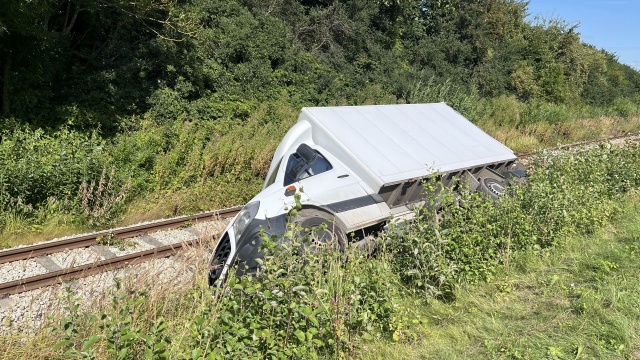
322 230
494 188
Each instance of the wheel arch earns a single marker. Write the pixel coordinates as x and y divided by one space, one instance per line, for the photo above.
322 212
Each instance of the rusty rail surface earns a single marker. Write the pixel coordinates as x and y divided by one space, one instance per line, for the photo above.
633 137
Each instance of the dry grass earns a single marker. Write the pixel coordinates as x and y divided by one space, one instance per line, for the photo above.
19 231
533 137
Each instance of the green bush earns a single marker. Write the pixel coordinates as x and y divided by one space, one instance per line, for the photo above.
66 172
469 237
36 167
299 306
625 107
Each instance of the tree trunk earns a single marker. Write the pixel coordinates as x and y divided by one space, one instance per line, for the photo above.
6 73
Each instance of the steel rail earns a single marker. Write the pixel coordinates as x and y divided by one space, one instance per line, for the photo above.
60 276
29 252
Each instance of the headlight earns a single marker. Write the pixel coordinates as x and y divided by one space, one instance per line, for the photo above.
245 216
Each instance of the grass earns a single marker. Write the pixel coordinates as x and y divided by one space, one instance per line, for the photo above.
532 137
21 231
577 301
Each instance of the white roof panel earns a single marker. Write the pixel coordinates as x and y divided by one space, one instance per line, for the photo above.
399 142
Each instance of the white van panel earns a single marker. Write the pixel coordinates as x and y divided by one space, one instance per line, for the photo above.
386 144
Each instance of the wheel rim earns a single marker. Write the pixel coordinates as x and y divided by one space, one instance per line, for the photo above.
494 186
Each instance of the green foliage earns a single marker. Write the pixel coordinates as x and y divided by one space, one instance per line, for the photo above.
120 335
98 63
573 301
301 304
68 328
44 175
35 166
163 92
121 332
464 237
125 100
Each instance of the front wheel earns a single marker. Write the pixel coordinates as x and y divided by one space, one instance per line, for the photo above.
319 231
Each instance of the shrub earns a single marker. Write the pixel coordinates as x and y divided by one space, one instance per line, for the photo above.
35 166
314 304
469 237
624 107
298 306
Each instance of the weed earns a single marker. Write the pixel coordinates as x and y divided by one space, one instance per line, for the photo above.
111 240
186 224
100 200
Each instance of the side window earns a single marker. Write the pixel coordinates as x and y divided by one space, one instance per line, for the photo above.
297 169
274 174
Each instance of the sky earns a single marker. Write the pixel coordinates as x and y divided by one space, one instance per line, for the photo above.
612 25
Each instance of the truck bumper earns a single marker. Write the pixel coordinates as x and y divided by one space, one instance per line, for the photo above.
246 251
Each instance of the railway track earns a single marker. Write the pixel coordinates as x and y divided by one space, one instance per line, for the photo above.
84 241
585 144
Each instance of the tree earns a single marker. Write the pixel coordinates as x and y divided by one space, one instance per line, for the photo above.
47 46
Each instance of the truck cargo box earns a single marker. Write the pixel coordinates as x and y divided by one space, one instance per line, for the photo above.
388 144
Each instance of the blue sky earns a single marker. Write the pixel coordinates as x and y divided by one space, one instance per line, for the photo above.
613 25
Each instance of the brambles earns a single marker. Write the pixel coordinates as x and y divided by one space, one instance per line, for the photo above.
567 194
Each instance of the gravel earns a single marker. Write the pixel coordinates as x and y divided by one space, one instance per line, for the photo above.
17 270
175 236
130 246
76 257
27 312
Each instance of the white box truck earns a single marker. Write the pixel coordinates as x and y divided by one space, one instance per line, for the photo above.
359 167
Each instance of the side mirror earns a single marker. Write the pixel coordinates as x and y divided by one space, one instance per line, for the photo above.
307 153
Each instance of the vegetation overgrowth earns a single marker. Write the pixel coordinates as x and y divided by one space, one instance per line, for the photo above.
329 304
117 110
